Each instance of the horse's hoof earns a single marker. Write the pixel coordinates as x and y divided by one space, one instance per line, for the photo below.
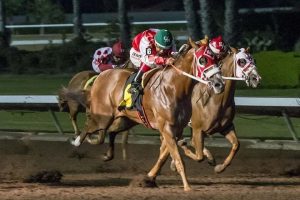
107 158
212 162
182 142
219 168
173 166
187 189
143 181
74 142
149 182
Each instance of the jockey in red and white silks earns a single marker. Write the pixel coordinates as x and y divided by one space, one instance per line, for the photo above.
109 57
150 50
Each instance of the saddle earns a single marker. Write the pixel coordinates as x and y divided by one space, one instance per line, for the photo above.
134 101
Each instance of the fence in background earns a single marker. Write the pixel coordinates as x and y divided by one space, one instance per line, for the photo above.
286 107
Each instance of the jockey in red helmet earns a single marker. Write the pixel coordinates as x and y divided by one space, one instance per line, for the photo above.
109 57
118 52
218 47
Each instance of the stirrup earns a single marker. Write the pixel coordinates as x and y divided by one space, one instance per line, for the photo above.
133 90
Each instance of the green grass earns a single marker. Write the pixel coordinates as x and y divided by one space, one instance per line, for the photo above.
278 69
32 84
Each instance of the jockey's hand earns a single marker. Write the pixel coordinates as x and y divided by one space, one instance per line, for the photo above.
170 61
174 54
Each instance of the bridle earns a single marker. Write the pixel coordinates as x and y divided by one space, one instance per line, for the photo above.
245 70
207 72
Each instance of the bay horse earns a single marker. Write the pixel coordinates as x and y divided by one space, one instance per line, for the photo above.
166 101
216 113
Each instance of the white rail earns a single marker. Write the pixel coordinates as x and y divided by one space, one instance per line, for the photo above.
285 107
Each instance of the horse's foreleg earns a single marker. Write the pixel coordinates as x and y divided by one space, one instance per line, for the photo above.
197 143
168 134
109 155
231 137
124 144
210 159
73 118
163 155
73 112
79 139
90 127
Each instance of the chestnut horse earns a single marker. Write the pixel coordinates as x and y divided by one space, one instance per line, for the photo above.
166 101
73 107
216 113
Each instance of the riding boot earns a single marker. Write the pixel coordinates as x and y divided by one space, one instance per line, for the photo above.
136 84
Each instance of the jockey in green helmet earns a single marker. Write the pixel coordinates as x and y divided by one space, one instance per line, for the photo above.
150 49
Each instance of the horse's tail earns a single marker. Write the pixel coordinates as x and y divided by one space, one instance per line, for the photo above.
62 102
80 96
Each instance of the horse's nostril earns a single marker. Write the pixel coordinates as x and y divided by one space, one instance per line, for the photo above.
217 85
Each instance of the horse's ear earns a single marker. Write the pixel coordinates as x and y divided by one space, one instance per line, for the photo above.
192 43
234 50
204 41
247 50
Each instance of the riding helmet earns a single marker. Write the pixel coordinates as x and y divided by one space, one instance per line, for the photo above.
163 39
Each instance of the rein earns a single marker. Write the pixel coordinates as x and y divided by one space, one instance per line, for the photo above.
233 78
184 73
189 75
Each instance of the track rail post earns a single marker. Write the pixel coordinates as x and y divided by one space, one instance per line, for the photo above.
290 125
56 122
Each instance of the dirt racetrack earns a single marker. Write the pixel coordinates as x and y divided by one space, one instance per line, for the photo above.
254 174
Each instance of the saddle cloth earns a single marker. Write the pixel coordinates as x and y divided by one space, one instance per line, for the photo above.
90 82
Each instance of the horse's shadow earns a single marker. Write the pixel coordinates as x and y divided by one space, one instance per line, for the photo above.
108 182
248 183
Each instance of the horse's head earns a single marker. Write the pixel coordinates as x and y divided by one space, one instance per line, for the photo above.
245 67
206 68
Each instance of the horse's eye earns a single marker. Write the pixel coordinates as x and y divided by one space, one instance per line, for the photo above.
242 62
202 61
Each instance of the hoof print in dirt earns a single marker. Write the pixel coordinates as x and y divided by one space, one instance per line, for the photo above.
291 171
144 182
44 177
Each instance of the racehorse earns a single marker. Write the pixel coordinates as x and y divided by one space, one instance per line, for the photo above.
73 107
166 101
216 113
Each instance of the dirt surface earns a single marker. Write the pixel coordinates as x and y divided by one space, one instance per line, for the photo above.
254 174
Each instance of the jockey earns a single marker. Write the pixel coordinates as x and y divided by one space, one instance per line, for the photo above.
150 49
218 47
109 57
